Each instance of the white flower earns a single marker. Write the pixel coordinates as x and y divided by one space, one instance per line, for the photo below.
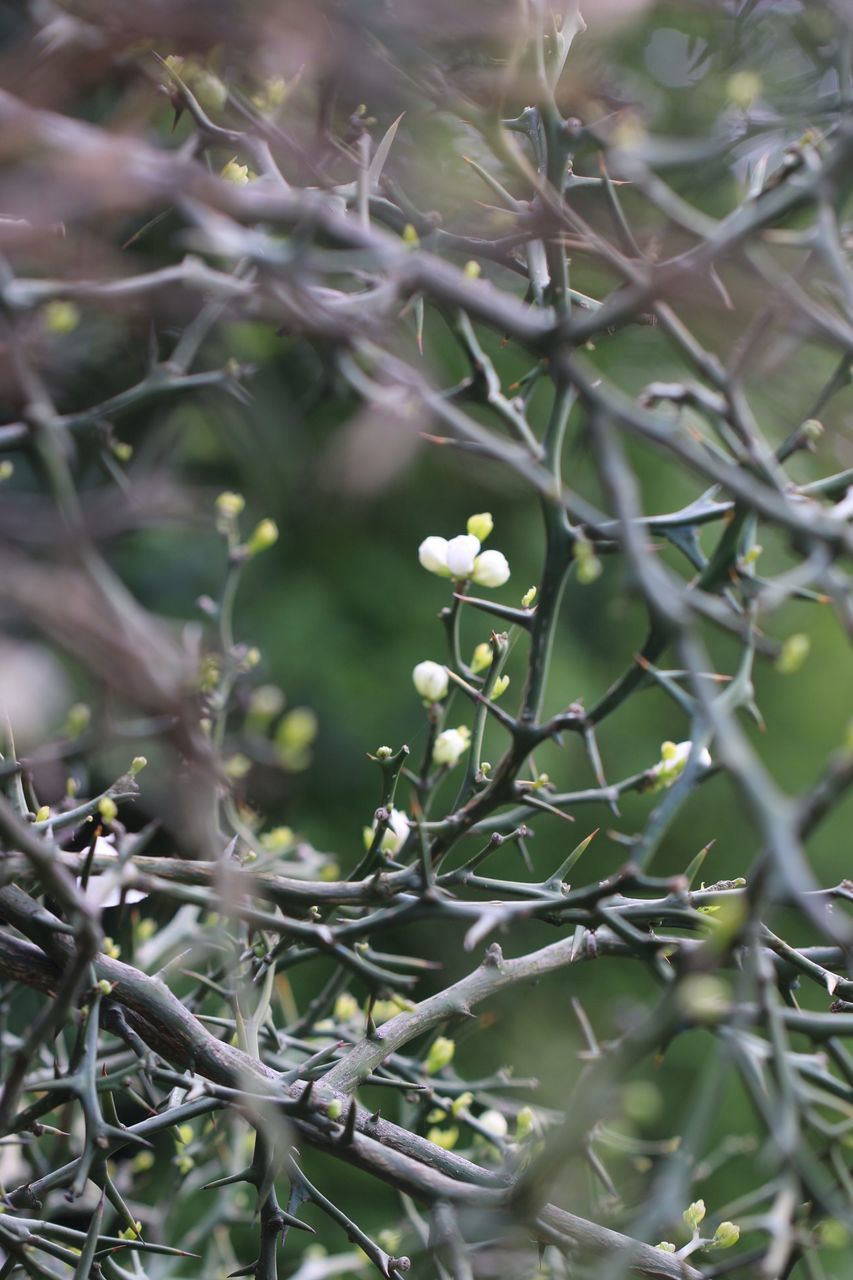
673 759
450 746
461 554
491 569
432 554
396 833
495 1123
106 890
431 680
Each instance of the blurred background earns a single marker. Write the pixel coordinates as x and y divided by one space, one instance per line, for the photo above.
710 95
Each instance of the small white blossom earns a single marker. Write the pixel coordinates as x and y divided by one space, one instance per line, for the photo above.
673 759
396 833
461 553
491 569
450 746
431 680
432 554
495 1123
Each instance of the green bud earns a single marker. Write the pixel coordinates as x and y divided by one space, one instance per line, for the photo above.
727 1234
107 808
7 469
795 650
446 1138
440 1054
410 236
694 1214
237 766
480 526
236 173
137 764
346 1007
524 1123
77 720
666 1246
500 686
229 506
472 269
743 88
528 598
265 536
588 564
483 658
334 1109
61 317
383 753
105 987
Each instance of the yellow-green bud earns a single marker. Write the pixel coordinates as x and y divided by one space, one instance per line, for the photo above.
704 998
524 1122
481 525
346 1007
462 1103
446 1138
666 1246
43 813
230 505
137 764
694 1214
727 1234
77 720
105 987
483 658
410 236
334 1109
236 173
107 808
122 450
7 469
265 536
61 317
500 686
743 88
795 650
588 563
440 1054
528 598
472 269
237 766
132 1233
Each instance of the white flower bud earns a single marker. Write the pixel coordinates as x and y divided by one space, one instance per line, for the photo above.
495 1123
431 681
396 833
491 569
432 554
450 746
461 554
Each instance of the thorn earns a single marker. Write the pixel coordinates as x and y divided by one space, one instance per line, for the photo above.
349 1128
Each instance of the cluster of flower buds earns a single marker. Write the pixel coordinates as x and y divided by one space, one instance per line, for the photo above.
461 559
